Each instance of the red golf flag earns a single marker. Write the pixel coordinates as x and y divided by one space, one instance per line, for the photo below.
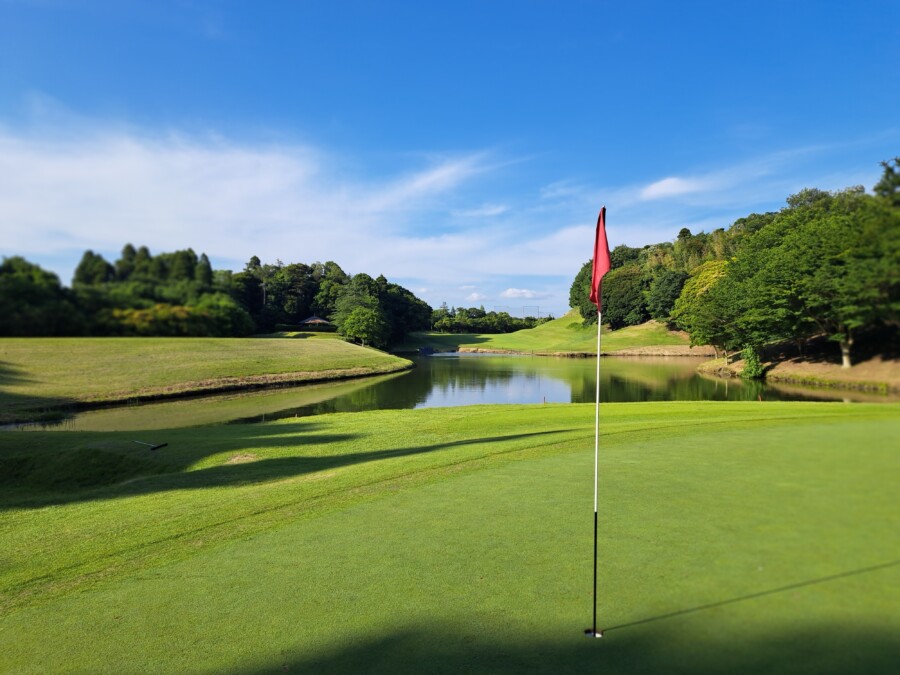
601 258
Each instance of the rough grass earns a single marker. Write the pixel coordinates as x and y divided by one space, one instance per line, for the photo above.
39 373
564 335
735 537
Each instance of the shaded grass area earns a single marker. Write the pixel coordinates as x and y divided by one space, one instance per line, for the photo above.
38 373
735 537
564 335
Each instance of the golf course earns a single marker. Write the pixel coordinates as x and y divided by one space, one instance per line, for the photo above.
734 537
37 374
565 335
422 338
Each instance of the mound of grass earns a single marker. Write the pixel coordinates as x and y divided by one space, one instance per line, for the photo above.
735 537
39 373
567 334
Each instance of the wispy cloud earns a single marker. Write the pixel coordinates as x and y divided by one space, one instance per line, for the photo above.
406 192
673 186
103 189
430 224
522 293
484 211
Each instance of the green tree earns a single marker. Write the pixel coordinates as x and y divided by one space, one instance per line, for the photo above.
697 311
332 280
623 297
32 302
93 269
125 263
360 291
142 261
204 272
664 291
842 256
579 294
827 264
888 187
365 325
623 255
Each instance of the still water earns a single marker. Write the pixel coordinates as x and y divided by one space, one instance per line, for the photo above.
449 380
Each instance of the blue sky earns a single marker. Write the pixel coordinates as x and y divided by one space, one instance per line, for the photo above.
462 149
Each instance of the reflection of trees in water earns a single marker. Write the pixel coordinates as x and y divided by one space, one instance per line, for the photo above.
444 374
620 387
622 380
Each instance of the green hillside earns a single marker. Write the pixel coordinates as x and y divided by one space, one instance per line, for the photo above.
566 334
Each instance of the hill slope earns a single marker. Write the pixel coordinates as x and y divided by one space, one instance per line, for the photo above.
568 334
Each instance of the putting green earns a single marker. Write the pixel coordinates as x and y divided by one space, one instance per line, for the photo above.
766 543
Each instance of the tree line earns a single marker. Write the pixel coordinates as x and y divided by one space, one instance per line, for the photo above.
476 320
179 294
827 264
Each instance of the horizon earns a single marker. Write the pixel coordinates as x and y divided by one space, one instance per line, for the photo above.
463 151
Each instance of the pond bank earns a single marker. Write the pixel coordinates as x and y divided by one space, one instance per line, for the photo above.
877 374
188 390
655 350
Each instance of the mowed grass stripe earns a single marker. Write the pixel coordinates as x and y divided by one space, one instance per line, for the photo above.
489 570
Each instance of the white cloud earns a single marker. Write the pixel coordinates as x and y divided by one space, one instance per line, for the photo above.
522 293
101 190
406 192
672 187
484 211
430 226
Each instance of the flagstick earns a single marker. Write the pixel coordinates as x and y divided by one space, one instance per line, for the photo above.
596 467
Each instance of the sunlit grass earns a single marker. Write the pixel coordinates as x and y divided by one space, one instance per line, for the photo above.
566 334
38 373
459 539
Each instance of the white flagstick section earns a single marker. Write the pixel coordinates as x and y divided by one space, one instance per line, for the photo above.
597 416
593 631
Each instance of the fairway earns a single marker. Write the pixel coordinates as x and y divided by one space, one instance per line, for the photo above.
39 373
564 335
735 537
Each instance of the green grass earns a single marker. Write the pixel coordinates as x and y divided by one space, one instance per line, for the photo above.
564 335
39 373
735 537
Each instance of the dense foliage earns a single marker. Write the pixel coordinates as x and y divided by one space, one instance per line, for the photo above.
826 264
180 294
476 320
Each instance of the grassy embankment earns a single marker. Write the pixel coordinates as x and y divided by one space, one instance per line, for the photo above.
735 537
37 374
878 373
566 335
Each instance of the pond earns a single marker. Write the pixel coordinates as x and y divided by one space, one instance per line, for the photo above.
450 380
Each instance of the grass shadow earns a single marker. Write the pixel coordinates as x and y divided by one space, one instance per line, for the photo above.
17 407
824 649
754 596
103 469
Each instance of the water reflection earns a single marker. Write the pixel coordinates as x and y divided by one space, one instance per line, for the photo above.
452 380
